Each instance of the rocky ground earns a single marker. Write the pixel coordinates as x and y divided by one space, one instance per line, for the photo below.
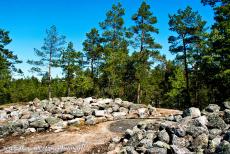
68 124
192 132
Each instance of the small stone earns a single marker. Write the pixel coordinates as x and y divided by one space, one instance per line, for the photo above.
227 104
32 130
76 121
143 112
180 150
192 112
77 113
99 113
200 142
119 115
90 120
164 136
212 108
161 144
214 132
40 123
156 150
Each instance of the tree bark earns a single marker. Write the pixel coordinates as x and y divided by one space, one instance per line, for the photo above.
186 73
49 75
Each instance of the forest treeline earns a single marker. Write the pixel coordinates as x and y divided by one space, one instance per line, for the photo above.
125 62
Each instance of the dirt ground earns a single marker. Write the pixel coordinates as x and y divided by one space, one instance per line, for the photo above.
81 140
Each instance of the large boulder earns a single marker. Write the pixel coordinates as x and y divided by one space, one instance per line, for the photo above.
52 120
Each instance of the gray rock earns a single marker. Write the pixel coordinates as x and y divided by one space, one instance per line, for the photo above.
76 121
177 118
180 150
15 115
65 116
227 104
115 108
52 120
90 120
125 104
223 148
156 150
181 141
227 136
214 133
39 123
164 136
200 142
147 143
4 130
118 101
77 113
213 144
227 116
129 133
99 113
202 121
59 126
86 110
143 112
130 150
192 112
214 121
119 115
88 100
196 131
123 109
30 130
212 108
3 115
161 144
179 131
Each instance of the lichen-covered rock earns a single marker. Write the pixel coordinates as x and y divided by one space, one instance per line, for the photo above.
215 121
214 133
59 126
200 142
181 141
52 120
156 150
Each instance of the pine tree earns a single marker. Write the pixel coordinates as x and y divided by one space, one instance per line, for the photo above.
115 51
49 54
217 59
143 39
188 26
93 52
71 62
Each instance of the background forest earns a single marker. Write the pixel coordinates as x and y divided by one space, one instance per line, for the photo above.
125 62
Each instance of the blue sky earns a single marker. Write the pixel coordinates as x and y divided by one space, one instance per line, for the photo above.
27 21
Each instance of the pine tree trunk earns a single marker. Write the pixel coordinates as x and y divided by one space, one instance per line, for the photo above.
49 75
186 74
138 93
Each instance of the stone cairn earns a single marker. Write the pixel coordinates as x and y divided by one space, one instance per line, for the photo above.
56 114
194 131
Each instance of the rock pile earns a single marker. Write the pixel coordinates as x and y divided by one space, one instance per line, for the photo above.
192 132
56 114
